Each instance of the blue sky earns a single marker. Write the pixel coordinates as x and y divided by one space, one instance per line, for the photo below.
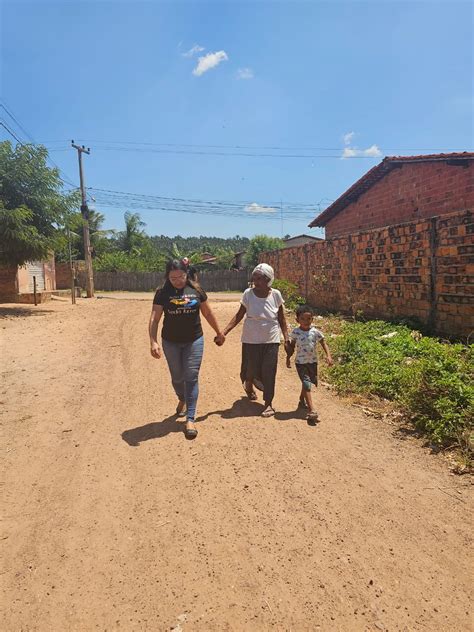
365 78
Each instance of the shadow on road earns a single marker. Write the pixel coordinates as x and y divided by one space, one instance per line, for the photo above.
19 312
153 430
243 407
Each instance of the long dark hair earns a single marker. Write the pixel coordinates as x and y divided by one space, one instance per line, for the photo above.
177 264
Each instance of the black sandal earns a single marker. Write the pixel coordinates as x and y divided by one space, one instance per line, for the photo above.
312 419
190 433
182 412
252 395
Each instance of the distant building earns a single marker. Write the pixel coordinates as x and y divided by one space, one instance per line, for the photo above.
300 240
238 263
17 282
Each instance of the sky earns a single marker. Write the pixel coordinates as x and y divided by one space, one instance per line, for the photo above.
167 93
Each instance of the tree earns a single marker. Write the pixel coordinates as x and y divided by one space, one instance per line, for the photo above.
32 205
133 237
261 243
72 231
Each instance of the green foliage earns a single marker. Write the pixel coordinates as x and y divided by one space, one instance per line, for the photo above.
259 244
133 237
290 293
432 382
20 240
118 261
72 232
32 204
200 244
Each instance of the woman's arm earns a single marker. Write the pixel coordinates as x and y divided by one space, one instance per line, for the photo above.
155 317
208 314
235 320
282 323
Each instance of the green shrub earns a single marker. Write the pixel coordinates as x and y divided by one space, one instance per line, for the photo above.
290 293
431 381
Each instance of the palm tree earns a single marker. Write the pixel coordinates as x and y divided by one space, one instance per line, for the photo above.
133 236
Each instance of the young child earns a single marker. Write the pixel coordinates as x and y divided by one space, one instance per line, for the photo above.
305 338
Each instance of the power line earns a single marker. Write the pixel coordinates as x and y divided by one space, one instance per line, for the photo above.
221 208
237 203
11 133
249 147
33 142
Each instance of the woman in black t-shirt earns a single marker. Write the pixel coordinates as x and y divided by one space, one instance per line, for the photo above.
181 300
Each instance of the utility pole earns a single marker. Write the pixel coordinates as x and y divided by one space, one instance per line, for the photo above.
85 223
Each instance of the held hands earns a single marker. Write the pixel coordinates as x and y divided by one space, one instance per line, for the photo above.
155 350
219 340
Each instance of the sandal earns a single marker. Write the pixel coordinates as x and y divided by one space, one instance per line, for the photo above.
180 411
312 419
252 395
190 433
268 412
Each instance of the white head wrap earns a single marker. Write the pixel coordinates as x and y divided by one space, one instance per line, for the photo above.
266 270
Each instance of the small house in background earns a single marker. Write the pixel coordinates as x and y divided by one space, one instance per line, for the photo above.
17 282
300 240
402 189
238 263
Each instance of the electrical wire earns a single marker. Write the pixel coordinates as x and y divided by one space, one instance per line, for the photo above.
239 147
33 142
221 208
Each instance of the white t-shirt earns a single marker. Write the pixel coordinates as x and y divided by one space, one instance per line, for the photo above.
306 342
261 324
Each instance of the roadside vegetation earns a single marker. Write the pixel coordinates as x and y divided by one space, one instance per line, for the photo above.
427 381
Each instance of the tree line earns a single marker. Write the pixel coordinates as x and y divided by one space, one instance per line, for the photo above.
37 217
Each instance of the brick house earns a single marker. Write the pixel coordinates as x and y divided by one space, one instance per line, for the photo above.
402 189
17 283
399 245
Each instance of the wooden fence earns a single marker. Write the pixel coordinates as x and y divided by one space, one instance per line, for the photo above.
211 280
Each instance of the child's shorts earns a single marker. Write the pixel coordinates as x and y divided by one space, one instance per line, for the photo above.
308 374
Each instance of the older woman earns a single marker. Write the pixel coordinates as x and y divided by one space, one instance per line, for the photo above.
265 319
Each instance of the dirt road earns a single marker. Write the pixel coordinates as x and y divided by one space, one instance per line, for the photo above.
113 521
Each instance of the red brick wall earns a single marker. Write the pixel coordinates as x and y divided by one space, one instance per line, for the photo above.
422 270
63 274
8 283
407 193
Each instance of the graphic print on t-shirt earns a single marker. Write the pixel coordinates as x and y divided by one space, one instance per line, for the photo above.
184 301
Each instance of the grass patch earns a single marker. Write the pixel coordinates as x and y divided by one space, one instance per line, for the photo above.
431 382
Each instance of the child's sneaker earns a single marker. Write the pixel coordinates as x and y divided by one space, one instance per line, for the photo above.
312 418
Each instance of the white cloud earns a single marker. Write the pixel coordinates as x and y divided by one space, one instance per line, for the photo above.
244 73
351 152
372 151
192 51
256 208
211 60
347 138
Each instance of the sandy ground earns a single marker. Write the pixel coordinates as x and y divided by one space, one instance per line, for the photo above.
113 521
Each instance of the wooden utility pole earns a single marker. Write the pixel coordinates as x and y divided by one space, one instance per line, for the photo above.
85 223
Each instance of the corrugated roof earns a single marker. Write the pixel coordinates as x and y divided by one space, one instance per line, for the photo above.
377 173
